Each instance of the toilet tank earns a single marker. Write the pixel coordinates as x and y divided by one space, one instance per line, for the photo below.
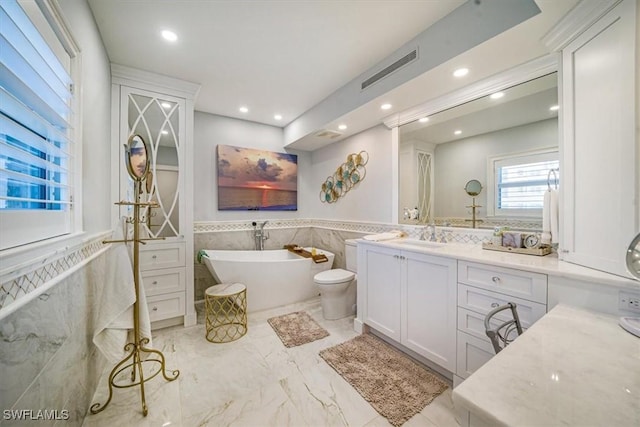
351 255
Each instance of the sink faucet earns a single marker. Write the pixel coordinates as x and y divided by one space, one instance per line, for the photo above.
429 230
259 235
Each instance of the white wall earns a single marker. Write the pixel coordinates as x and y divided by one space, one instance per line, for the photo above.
95 88
458 162
211 130
368 201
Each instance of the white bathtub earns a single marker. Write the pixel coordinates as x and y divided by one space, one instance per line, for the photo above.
272 277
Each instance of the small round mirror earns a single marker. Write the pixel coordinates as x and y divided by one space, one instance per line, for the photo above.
136 158
473 187
633 257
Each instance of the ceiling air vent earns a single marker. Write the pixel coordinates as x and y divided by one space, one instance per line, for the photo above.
405 60
330 134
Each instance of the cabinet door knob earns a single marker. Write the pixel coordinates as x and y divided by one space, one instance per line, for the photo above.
154 256
495 279
155 282
494 304
155 308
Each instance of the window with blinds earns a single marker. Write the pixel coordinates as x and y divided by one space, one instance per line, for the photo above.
36 93
521 180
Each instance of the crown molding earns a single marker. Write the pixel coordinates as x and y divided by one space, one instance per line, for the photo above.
576 21
121 74
514 76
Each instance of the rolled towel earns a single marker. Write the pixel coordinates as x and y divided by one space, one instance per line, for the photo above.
389 235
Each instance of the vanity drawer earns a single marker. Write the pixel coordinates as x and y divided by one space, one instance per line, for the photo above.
164 281
482 302
522 284
166 306
472 354
162 255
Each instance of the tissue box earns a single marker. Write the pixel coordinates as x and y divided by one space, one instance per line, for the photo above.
511 240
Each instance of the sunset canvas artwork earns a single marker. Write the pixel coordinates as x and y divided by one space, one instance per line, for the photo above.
250 179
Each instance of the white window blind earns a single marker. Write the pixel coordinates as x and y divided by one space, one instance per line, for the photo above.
519 182
35 128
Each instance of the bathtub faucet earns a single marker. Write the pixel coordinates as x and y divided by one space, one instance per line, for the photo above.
259 235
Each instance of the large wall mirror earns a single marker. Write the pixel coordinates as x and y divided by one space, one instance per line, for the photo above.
157 121
506 140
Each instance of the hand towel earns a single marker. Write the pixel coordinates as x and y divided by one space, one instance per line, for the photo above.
115 297
390 235
554 215
550 217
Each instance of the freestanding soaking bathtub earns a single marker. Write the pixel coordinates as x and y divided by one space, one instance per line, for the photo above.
272 277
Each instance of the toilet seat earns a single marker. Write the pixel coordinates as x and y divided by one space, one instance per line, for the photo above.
337 275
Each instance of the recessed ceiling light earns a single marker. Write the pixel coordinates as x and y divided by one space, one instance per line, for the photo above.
554 108
496 95
424 120
458 132
342 127
243 109
169 35
461 72
278 117
386 106
166 105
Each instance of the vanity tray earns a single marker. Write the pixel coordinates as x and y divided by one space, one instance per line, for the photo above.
306 254
539 251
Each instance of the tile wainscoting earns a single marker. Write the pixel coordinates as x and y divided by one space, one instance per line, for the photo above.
323 234
47 357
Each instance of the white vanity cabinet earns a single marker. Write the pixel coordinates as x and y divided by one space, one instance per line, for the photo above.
160 110
481 288
411 298
379 277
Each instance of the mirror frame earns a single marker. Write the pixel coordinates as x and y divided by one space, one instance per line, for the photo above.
520 74
468 190
633 257
136 139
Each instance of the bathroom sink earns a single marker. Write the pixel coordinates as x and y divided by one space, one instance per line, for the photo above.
420 243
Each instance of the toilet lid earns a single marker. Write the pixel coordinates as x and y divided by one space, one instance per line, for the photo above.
334 276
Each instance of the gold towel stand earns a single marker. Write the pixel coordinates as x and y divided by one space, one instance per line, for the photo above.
134 359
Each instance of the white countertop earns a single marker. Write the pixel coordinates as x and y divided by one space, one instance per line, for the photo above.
548 264
571 368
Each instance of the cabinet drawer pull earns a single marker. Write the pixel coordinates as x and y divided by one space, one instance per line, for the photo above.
495 279
155 282
155 308
494 304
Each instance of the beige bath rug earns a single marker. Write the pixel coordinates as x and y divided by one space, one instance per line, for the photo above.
297 328
395 385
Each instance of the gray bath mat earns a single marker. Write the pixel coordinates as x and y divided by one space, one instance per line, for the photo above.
395 385
297 328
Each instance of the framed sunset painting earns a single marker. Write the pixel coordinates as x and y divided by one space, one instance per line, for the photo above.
250 179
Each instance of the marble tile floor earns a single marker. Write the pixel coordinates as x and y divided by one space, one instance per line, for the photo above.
254 382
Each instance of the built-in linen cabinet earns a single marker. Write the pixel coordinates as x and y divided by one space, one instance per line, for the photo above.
160 110
481 288
411 298
599 163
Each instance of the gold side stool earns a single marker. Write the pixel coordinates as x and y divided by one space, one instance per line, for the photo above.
226 312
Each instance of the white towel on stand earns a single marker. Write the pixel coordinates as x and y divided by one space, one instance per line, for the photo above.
115 297
550 217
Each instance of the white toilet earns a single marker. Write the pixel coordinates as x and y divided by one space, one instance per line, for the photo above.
338 286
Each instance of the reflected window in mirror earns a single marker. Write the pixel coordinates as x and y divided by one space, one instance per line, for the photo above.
523 120
517 183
